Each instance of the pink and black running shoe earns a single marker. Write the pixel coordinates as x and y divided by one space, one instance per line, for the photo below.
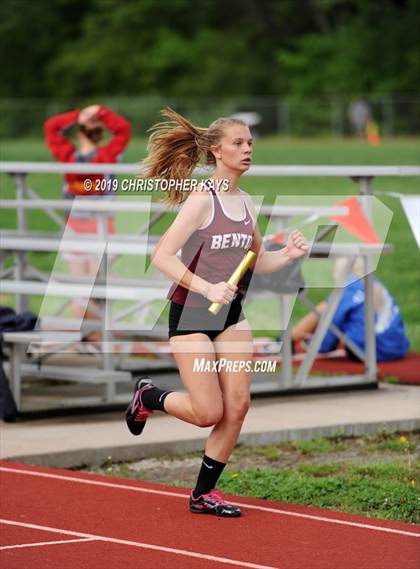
137 414
214 504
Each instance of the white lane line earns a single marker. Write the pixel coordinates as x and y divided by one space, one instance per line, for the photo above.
184 496
20 545
142 545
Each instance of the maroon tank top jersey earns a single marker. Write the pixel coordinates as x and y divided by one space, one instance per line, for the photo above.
214 251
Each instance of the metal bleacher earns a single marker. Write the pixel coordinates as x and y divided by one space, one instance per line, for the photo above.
59 330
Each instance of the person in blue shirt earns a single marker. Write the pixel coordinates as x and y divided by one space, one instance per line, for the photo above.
391 340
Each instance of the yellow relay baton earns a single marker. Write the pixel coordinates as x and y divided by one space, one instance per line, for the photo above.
236 276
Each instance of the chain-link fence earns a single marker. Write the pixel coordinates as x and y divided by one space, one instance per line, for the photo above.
288 116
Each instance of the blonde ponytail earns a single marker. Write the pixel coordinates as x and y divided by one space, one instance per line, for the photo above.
177 146
174 150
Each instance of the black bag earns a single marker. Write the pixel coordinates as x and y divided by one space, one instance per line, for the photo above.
11 322
8 409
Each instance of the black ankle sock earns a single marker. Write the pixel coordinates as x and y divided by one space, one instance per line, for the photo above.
154 399
208 476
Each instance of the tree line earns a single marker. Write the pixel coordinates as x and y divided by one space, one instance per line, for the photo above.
70 49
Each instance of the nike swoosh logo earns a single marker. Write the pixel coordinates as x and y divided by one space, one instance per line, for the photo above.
246 222
208 466
160 398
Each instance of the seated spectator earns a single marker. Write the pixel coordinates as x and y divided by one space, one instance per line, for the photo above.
391 340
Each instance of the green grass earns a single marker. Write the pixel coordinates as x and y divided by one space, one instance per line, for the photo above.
337 473
391 379
391 443
321 445
303 447
385 441
399 271
386 491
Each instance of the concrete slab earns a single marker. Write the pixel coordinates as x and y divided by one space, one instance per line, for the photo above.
73 441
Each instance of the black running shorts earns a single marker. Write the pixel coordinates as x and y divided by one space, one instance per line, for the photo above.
190 320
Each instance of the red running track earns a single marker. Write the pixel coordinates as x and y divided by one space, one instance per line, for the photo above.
70 520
